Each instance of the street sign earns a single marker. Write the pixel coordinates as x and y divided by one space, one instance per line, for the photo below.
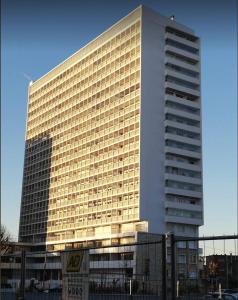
75 275
74 261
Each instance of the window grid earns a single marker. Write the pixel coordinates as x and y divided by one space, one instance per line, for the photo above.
88 174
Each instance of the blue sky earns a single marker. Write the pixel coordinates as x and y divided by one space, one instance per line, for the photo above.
37 35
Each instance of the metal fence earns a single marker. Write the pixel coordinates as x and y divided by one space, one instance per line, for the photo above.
114 272
166 268
204 267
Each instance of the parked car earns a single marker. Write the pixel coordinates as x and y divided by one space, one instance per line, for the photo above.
7 288
56 290
224 296
230 296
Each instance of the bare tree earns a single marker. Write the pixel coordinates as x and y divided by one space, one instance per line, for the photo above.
5 239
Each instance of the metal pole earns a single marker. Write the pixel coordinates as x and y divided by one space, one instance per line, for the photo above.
23 274
219 291
177 288
187 282
164 271
130 287
226 261
173 269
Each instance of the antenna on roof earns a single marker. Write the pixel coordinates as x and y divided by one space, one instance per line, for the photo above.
28 78
172 17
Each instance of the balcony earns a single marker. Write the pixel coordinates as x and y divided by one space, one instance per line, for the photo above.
183 152
181 76
184 220
183 165
182 139
116 264
181 178
180 113
186 54
42 266
183 192
182 89
186 206
175 61
182 126
10 265
182 100
181 40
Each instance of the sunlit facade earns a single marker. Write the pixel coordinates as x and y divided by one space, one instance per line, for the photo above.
113 141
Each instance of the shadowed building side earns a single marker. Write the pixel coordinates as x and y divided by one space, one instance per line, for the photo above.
36 190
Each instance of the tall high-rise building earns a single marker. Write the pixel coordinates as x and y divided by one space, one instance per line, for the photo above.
113 138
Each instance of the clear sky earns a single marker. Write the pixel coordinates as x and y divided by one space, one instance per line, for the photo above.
37 35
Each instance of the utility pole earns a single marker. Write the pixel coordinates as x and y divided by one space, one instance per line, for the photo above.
226 262
173 268
164 268
23 275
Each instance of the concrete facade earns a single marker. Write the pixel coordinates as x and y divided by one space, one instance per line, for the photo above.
113 140
170 124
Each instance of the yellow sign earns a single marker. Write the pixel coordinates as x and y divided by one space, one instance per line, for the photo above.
74 262
75 275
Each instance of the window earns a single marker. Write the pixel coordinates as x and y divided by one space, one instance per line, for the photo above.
181 245
182 259
181 82
193 259
192 245
181 46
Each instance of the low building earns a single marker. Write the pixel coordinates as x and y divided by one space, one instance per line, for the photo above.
222 269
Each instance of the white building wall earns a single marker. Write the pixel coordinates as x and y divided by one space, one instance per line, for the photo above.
153 162
152 123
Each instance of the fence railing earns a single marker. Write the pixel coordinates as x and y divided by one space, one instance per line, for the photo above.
214 274
169 267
